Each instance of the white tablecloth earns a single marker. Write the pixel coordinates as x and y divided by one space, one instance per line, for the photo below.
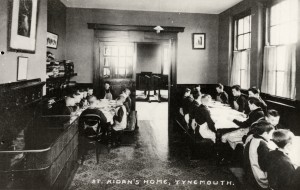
105 106
223 116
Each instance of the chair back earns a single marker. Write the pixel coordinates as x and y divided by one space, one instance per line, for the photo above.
90 121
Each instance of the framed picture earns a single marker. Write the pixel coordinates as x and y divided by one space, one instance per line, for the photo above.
199 40
52 40
23 25
22 68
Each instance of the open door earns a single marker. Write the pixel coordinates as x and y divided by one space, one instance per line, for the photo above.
117 66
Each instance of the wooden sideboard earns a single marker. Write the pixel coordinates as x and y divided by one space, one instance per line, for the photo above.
36 151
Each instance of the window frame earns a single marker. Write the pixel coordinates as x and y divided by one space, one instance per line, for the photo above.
235 26
268 22
268 40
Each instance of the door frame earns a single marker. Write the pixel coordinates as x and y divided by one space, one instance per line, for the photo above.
138 34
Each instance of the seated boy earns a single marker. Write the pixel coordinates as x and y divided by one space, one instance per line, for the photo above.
70 106
125 95
272 117
255 114
203 118
239 101
120 120
281 171
222 96
254 92
192 108
256 155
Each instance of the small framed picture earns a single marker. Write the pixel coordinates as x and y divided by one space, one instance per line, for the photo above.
22 68
52 40
199 40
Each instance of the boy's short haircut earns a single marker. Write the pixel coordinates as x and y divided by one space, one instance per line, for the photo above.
282 137
196 94
262 126
205 96
220 86
187 90
273 113
236 87
254 90
255 101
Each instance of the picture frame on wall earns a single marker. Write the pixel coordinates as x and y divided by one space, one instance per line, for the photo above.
23 25
52 40
199 40
22 68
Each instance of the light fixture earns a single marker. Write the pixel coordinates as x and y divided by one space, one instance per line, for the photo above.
158 29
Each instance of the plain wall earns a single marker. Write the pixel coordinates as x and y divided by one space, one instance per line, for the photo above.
193 66
148 58
36 61
57 24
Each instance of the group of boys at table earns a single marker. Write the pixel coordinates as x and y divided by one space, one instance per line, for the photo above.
112 112
271 154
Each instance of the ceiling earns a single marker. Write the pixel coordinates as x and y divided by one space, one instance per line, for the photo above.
182 6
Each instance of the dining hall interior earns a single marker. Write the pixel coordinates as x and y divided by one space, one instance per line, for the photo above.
149 94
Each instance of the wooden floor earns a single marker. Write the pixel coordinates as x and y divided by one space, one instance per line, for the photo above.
150 160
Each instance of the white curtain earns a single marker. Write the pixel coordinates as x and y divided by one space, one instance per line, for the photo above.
279 73
240 70
269 70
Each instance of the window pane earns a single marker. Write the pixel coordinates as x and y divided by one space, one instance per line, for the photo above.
114 51
106 61
122 62
122 72
129 51
293 28
241 26
279 83
274 32
106 73
240 42
274 15
107 50
247 24
122 51
284 34
293 9
284 12
246 41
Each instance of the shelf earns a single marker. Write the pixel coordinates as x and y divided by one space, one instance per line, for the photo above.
62 76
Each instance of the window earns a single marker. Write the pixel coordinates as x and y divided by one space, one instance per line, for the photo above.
283 23
279 73
243 33
240 72
118 61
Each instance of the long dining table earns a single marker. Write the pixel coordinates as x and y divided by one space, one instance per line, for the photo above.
223 116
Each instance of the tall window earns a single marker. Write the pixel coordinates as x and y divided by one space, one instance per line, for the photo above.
240 72
279 73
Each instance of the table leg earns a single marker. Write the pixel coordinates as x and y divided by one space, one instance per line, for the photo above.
109 137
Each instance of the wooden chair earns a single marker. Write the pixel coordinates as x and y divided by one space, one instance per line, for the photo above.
89 134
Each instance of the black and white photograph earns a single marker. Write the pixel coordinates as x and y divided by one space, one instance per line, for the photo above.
52 40
199 41
149 94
